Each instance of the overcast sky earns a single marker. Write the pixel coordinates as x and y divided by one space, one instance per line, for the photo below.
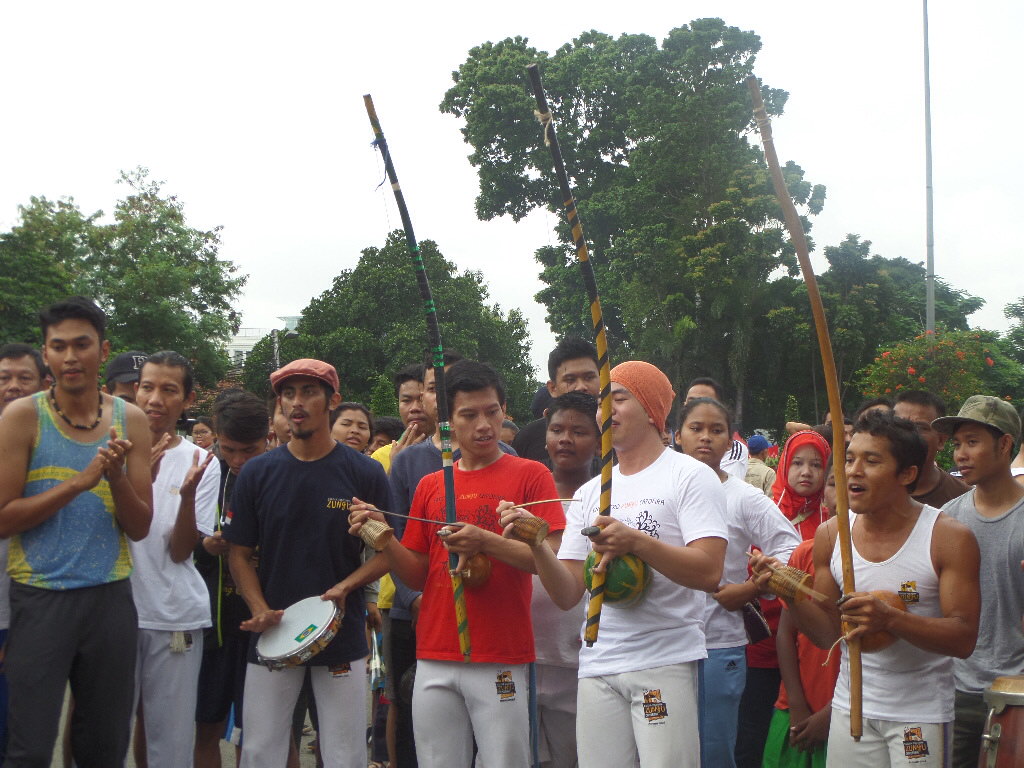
252 113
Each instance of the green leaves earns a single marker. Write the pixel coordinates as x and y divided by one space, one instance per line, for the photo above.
159 280
674 200
371 322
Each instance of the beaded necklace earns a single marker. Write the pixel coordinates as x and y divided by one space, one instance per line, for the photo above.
69 422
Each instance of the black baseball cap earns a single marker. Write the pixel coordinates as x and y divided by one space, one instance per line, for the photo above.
125 367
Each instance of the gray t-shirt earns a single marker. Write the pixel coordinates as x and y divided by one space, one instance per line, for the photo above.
1000 648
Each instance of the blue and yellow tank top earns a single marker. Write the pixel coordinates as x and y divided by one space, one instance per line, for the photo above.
83 544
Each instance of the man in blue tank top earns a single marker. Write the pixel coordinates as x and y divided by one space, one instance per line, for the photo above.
928 565
74 483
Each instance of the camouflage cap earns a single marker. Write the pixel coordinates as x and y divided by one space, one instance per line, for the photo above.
983 409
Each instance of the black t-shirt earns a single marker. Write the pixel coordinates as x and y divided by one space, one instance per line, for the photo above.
530 442
227 607
296 512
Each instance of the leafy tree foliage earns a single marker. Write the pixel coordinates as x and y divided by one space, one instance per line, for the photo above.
870 302
1015 336
44 259
695 271
159 280
371 322
675 200
952 364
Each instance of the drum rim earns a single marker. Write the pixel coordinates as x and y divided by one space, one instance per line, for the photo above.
313 638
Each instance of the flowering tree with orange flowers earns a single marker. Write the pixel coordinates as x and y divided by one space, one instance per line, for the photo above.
951 364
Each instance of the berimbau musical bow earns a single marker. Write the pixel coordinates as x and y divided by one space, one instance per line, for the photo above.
543 114
437 350
796 234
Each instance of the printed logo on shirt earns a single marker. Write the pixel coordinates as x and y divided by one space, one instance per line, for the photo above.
340 670
908 592
305 633
645 522
505 686
914 745
342 504
655 709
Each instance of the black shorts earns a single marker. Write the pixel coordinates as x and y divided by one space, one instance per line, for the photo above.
222 680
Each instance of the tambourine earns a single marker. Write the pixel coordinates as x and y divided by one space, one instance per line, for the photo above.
306 628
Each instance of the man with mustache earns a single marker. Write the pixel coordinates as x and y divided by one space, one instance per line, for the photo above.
292 503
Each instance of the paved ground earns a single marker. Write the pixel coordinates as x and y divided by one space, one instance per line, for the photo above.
227 752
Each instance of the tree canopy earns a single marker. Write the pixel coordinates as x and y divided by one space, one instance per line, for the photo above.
675 200
371 323
159 280
695 270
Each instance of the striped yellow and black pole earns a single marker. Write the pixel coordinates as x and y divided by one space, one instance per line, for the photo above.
437 352
543 114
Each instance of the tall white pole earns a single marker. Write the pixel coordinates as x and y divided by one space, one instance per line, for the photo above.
929 224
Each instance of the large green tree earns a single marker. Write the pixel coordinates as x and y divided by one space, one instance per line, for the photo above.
685 231
869 301
44 259
371 322
1015 335
160 280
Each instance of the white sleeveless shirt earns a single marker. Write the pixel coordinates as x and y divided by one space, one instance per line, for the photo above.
902 683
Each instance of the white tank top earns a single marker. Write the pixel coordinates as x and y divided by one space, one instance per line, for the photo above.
902 683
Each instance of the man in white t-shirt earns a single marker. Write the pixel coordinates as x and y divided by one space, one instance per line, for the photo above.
170 595
638 683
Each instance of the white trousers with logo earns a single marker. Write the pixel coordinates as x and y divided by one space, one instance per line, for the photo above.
650 715
269 701
453 703
888 743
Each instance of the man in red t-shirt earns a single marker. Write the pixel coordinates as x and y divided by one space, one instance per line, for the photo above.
455 703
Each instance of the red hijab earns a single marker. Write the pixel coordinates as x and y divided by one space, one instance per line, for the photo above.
806 512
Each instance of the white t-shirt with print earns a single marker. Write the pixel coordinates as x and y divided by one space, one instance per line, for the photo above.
753 520
172 596
677 500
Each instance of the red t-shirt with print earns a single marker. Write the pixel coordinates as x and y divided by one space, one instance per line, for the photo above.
499 610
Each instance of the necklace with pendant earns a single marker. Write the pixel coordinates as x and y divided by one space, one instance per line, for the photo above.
69 422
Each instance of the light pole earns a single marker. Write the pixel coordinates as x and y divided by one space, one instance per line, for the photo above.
929 193
275 335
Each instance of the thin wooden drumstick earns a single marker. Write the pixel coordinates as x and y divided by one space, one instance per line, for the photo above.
544 501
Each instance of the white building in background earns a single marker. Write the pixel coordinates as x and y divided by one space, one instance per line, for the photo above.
241 343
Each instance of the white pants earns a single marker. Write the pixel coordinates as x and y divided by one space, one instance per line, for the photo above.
650 715
269 701
167 684
453 703
556 715
889 743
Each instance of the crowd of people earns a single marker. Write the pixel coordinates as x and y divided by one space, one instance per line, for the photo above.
147 553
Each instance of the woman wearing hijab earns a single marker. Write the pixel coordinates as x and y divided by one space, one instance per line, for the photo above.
798 491
800 481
